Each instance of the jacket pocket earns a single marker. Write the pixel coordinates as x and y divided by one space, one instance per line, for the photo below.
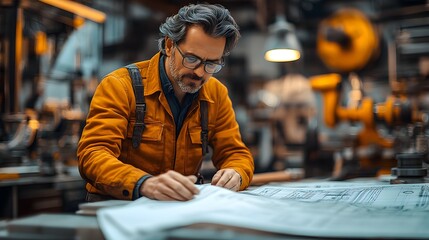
149 156
151 132
195 135
193 151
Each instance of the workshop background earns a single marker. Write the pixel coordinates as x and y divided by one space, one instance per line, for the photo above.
355 99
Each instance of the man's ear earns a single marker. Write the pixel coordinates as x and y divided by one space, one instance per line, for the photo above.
168 46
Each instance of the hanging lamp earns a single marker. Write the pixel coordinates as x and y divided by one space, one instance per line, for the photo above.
282 45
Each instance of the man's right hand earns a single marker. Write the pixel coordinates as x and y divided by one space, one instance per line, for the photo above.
170 186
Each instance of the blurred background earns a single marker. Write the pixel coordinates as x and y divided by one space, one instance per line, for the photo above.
352 99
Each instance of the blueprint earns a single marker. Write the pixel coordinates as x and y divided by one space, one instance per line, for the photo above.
410 197
340 211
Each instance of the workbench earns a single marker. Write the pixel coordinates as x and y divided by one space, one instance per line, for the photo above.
86 225
29 195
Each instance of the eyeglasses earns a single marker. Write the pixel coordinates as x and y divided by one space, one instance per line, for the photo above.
193 62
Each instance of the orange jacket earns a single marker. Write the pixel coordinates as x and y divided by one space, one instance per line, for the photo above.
112 166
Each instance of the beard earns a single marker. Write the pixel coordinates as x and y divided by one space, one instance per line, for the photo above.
191 87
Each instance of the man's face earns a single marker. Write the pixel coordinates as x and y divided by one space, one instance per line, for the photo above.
186 87
199 45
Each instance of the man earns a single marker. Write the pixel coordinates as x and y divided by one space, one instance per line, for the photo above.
176 81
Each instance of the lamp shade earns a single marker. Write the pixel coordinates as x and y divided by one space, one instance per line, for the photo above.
282 45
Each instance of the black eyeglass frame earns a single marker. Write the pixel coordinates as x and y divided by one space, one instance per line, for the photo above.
217 66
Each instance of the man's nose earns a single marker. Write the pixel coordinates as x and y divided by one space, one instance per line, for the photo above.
199 71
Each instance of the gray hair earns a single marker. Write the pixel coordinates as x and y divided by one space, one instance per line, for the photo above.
215 20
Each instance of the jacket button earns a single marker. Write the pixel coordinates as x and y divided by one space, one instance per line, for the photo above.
125 193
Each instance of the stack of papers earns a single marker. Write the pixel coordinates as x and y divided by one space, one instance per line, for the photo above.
313 210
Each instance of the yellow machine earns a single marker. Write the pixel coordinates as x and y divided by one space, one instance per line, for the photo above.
347 42
394 111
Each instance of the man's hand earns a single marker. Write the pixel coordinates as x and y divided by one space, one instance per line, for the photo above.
170 186
227 178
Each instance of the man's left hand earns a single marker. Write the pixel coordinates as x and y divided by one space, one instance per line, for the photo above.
227 178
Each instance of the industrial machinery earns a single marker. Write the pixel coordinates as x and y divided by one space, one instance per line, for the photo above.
49 55
50 52
391 137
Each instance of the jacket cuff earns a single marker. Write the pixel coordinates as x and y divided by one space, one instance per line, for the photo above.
136 191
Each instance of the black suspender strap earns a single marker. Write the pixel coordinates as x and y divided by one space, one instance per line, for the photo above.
204 127
204 137
138 88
